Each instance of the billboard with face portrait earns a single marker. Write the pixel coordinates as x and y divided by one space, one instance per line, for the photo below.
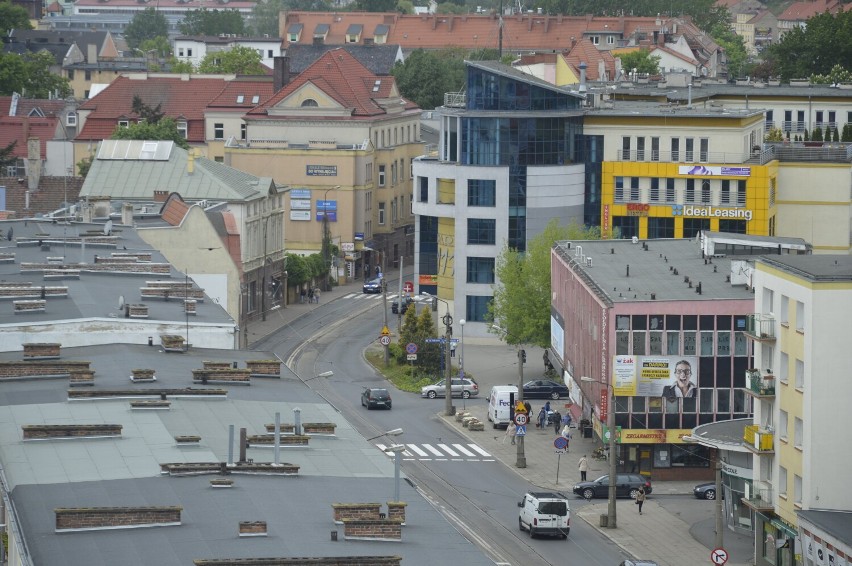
655 376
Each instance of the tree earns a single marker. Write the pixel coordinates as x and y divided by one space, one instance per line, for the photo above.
374 5
826 41
84 165
29 74
774 135
13 17
184 67
298 270
425 76
521 305
165 129
264 16
836 75
146 24
159 44
212 22
237 60
641 60
735 51
145 112
7 155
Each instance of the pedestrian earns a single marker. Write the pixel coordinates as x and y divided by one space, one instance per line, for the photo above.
317 295
542 418
566 434
378 271
302 294
556 419
547 407
510 433
311 295
583 466
640 498
528 407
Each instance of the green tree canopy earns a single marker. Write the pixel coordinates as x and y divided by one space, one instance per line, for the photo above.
734 46
13 17
212 22
704 13
238 60
373 6
145 112
826 41
178 66
29 74
146 24
7 156
165 129
521 305
427 75
641 60
159 44
298 270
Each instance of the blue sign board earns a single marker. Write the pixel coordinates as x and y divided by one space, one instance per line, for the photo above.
359 236
521 430
321 170
300 193
332 216
434 340
326 205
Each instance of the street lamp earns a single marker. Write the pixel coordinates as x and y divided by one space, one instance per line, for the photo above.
397 449
328 373
448 377
461 356
610 425
521 457
326 239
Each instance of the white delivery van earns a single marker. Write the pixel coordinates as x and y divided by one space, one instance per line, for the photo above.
499 405
545 513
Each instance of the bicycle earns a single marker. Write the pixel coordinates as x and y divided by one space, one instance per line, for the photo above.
599 453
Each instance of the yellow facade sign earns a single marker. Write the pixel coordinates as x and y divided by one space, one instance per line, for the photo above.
654 436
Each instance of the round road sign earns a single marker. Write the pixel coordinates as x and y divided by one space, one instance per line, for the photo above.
385 340
521 419
408 287
560 443
719 556
411 348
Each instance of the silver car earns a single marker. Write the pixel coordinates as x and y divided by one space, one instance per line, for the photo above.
465 388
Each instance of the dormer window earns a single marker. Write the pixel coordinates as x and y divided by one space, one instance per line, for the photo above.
182 128
71 120
123 123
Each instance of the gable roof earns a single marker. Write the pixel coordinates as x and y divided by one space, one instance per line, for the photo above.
801 11
379 59
675 54
183 97
585 51
173 170
341 77
57 42
19 106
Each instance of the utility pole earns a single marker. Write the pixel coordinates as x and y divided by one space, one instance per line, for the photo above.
521 457
385 310
719 525
448 374
399 301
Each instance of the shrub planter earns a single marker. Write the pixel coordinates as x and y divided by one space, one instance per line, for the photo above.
268 441
252 528
207 364
137 311
28 306
172 342
157 405
478 425
188 440
81 377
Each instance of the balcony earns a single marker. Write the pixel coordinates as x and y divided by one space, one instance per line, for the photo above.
760 327
760 386
759 498
759 441
653 155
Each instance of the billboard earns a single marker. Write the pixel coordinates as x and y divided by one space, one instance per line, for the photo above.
655 376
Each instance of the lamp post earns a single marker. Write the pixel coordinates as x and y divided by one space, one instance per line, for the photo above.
449 410
520 457
397 449
328 373
461 356
326 239
611 522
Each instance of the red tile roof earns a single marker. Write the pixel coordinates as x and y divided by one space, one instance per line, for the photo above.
585 51
801 11
342 77
22 128
175 209
48 107
178 97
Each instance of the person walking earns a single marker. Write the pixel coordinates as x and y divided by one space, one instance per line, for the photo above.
566 434
640 498
311 295
302 294
542 418
556 420
510 433
316 295
583 466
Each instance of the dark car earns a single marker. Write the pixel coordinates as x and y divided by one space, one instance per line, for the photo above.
374 286
706 491
544 389
372 397
626 485
405 302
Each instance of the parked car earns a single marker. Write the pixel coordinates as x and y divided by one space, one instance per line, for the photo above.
373 397
706 491
638 563
465 388
626 485
407 300
544 389
544 513
374 286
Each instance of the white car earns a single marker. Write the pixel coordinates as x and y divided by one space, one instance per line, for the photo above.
465 388
544 513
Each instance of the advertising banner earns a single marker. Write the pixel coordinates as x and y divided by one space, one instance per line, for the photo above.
654 436
300 215
713 170
655 376
300 193
321 170
300 205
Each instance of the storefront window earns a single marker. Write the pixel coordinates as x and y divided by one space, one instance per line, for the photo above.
689 343
768 550
656 343
638 344
673 343
689 456
740 344
723 343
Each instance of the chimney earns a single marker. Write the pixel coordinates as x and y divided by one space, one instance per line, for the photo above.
92 53
127 214
34 163
582 76
281 72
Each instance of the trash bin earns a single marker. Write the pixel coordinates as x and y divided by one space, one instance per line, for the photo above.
604 520
587 432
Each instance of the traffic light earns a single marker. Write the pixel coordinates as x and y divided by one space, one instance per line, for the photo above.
524 356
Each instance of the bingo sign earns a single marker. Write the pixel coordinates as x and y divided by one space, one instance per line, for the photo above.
321 170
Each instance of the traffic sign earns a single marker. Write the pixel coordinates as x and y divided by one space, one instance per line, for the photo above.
385 331
411 348
521 430
719 556
560 443
385 340
411 357
434 340
520 407
408 287
521 419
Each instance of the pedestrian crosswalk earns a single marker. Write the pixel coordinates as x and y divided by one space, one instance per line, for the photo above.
378 297
440 452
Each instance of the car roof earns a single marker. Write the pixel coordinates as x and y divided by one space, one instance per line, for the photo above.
547 495
379 389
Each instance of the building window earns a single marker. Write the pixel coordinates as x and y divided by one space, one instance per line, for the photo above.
123 123
655 149
670 191
393 173
725 194
705 192
610 40
655 190
800 374
480 270
784 314
595 39
690 149
782 481
70 74
381 214
382 175
423 193
703 149
634 189
218 131
619 189
309 103
675 149
733 226
481 192
481 231
180 52
243 130
782 425
71 119
741 193
692 226
189 52
640 148
182 128
625 148
477 308
784 370
800 316
690 191
797 489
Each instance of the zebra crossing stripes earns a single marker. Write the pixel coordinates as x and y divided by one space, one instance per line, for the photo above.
441 452
378 297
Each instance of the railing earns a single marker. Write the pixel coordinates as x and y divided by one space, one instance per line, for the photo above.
455 99
757 439
759 497
760 327
762 385
793 125
683 156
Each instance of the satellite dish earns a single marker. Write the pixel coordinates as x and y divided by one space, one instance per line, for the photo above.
108 228
120 302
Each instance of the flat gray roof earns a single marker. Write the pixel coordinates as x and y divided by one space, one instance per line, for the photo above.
625 272
814 267
727 435
836 523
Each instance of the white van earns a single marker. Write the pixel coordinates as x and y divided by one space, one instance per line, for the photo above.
499 405
545 513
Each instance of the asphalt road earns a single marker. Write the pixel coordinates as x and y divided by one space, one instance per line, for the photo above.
479 497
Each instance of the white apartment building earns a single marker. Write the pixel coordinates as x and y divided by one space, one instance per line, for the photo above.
193 49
